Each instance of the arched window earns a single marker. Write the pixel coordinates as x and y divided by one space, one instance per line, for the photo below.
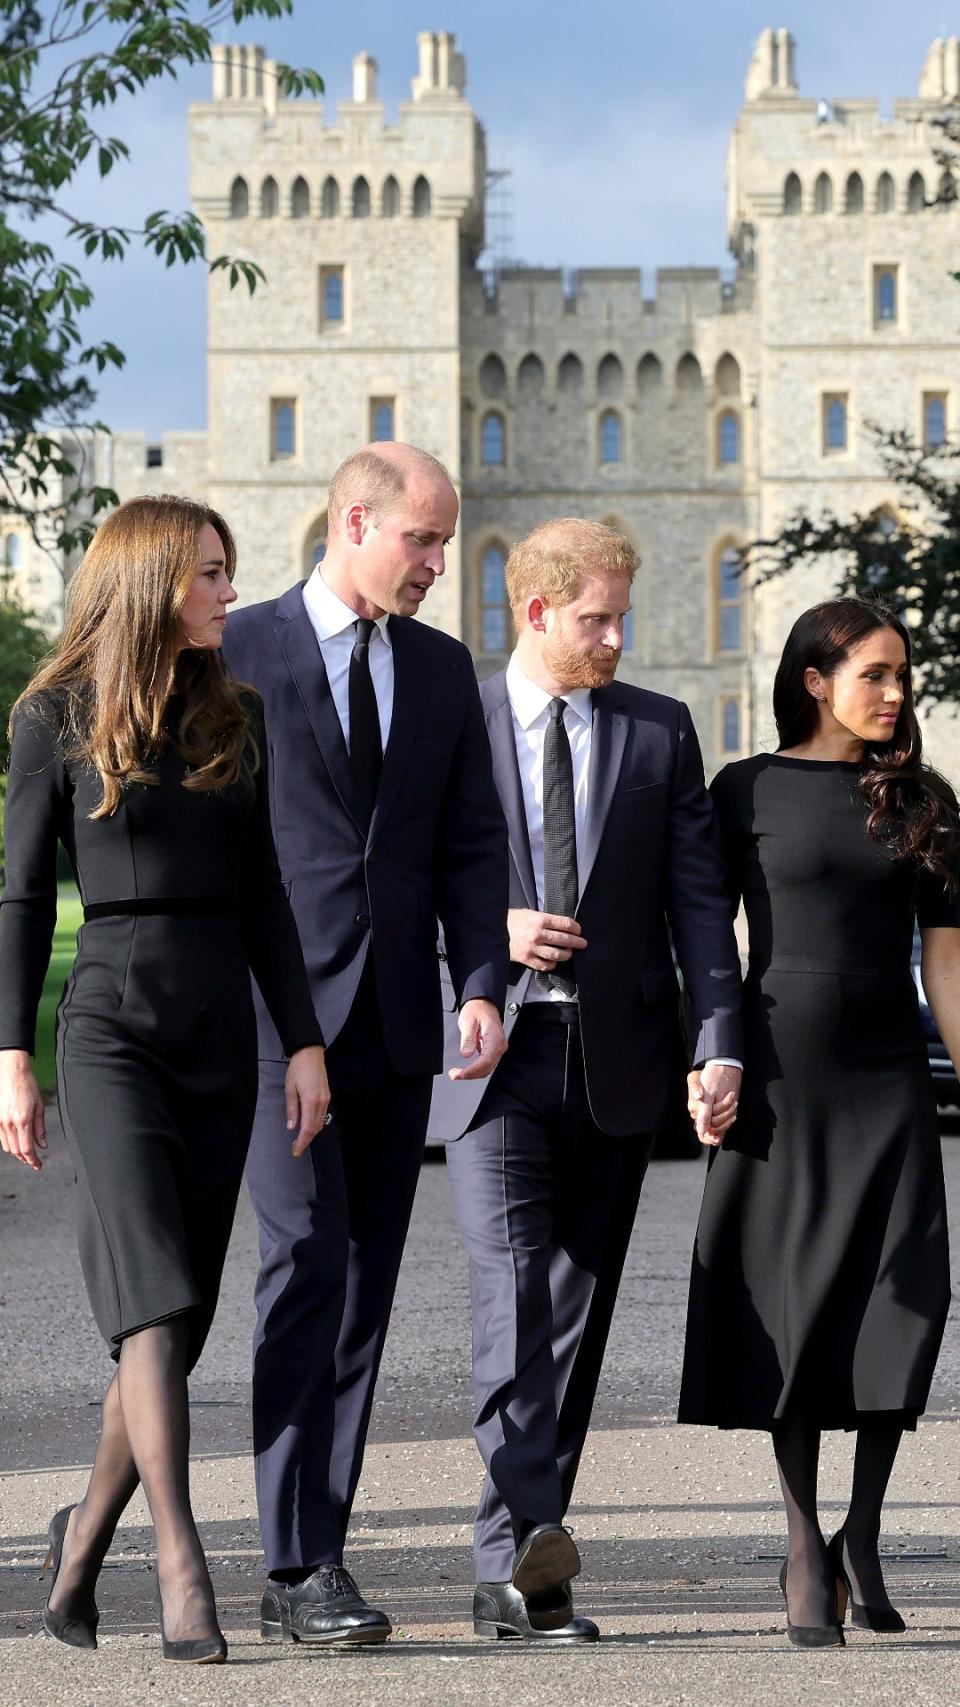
886 193
12 551
239 199
332 285
269 199
390 199
689 377
360 200
853 197
834 422
729 625
492 440
885 295
946 189
728 437
530 376
300 199
611 436
493 376
823 194
727 377
649 375
315 547
494 618
792 194
422 199
330 199
570 374
610 376
934 419
916 193
730 740
381 419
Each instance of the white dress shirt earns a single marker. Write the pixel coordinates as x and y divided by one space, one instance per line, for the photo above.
334 625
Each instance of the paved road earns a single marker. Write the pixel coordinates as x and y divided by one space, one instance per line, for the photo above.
680 1529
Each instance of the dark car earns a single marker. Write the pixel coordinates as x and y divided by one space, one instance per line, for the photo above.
941 1067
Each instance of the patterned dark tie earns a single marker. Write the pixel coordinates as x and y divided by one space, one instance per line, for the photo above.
559 838
366 751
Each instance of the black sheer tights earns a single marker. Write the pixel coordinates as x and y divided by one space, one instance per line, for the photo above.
811 1590
144 1437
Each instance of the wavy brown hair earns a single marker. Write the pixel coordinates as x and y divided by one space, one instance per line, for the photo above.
122 655
913 809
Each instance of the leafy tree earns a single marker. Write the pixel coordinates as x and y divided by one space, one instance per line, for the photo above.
62 67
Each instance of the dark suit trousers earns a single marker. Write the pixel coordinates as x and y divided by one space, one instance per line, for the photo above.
546 1204
332 1230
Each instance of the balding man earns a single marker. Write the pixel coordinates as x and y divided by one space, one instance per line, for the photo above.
386 819
613 850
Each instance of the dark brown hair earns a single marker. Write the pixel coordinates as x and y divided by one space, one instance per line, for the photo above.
913 810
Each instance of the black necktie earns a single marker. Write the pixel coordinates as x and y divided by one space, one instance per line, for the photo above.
559 838
366 752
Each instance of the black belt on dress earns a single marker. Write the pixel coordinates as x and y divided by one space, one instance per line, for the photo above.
146 906
551 1013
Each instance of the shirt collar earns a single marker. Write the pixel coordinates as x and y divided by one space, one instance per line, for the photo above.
328 613
529 702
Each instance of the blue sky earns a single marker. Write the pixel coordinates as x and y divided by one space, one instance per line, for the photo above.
612 118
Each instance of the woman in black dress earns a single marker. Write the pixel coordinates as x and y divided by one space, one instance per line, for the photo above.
133 749
820 1279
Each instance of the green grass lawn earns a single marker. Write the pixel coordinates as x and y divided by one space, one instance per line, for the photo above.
69 918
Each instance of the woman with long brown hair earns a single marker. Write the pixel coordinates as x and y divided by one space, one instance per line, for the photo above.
820 1279
133 749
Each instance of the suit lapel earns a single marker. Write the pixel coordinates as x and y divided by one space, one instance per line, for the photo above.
506 774
298 643
608 740
408 679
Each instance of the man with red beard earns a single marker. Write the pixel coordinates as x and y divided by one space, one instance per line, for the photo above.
613 851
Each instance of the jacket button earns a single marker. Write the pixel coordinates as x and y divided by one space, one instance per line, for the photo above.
363 919
513 1007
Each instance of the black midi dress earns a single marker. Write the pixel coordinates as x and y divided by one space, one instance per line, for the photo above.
156 1037
820 1281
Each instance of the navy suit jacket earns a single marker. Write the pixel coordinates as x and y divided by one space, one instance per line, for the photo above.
651 870
435 848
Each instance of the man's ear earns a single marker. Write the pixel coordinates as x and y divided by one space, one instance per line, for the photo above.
353 522
536 613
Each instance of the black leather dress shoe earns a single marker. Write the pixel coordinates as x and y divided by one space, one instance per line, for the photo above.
326 1608
500 1611
545 1561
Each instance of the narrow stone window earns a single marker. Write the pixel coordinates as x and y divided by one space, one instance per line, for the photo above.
330 199
916 193
269 199
792 194
12 551
934 419
422 199
834 422
493 376
239 199
570 374
492 440
823 194
885 296
381 419
283 428
331 296
649 375
853 198
730 738
154 456
886 193
494 610
390 198
360 200
728 437
611 437
729 619
300 199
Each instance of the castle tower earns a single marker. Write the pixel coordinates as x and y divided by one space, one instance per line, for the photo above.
361 227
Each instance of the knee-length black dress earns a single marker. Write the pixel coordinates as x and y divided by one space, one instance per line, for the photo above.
156 1037
820 1280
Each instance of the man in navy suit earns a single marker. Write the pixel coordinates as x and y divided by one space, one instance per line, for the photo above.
386 820
613 852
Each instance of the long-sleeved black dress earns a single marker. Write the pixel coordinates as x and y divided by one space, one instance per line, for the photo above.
820 1280
156 1039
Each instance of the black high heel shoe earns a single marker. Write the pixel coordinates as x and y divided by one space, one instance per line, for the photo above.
76 1632
810 1635
197 1650
884 1619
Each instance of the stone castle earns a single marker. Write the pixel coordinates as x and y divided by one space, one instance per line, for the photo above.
694 419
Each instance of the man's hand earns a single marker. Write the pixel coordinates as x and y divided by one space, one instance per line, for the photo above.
542 940
482 1041
712 1095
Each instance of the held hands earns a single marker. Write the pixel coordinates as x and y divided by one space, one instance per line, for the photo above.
712 1093
308 1096
22 1121
482 1041
542 940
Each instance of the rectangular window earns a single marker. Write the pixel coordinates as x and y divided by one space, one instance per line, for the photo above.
834 422
154 456
283 428
382 419
885 294
730 735
934 419
332 296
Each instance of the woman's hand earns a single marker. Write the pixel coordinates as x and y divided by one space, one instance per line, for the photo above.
22 1121
713 1106
308 1096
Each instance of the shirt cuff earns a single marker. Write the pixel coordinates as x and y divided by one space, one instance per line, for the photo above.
722 1061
